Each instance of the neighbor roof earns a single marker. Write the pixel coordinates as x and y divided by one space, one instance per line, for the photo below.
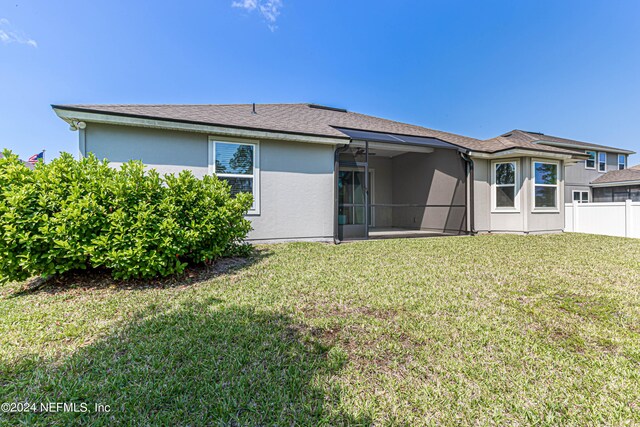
541 138
305 119
624 175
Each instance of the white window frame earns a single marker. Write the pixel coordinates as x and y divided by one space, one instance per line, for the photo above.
516 187
534 185
580 198
595 160
624 161
255 208
605 162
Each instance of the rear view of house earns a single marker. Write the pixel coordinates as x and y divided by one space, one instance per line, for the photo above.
321 173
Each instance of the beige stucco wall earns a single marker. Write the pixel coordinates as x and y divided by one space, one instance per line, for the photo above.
164 150
296 179
296 191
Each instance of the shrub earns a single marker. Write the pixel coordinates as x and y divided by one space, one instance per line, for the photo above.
78 214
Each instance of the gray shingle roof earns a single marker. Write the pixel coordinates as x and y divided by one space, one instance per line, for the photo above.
537 137
631 174
293 118
501 143
299 119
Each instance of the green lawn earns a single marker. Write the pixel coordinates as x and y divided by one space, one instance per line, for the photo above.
518 330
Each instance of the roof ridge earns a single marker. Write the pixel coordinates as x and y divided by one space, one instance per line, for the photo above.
526 134
179 105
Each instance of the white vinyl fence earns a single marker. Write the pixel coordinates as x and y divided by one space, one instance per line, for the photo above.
611 219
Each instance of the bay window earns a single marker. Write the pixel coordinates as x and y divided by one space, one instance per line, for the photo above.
545 185
504 180
236 163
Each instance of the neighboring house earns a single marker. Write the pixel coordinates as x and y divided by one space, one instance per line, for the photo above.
320 173
581 177
617 186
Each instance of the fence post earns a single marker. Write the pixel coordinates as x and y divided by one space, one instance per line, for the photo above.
574 214
628 219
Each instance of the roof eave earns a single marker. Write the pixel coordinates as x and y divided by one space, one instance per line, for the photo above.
510 152
615 183
585 147
69 114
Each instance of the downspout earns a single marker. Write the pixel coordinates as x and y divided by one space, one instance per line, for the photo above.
470 192
82 142
336 167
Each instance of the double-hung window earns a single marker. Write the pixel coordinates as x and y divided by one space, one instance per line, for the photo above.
545 185
602 162
505 181
622 161
236 163
590 163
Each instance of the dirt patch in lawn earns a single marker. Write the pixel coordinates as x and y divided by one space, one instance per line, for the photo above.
100 278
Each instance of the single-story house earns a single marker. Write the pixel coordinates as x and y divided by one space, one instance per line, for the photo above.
322 173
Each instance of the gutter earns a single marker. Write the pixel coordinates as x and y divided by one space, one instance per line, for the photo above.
615 183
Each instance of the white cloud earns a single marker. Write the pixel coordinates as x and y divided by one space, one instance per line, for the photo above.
269 9
246 4
10 35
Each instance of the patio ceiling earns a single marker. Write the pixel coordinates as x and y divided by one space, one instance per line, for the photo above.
381 149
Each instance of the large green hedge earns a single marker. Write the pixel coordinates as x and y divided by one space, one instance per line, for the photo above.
78 214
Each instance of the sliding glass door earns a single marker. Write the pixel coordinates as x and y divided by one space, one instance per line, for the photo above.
352 202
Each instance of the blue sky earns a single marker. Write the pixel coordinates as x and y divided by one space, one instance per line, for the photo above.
478 68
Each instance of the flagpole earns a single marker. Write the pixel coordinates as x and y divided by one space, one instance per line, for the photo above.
43 150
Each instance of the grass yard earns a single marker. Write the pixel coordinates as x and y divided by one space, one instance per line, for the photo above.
518 330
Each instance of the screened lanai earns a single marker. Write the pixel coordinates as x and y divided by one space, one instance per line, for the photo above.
391 185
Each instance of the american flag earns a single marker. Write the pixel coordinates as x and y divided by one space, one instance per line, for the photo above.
34 159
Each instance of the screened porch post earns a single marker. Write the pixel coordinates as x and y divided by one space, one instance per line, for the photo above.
366 189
